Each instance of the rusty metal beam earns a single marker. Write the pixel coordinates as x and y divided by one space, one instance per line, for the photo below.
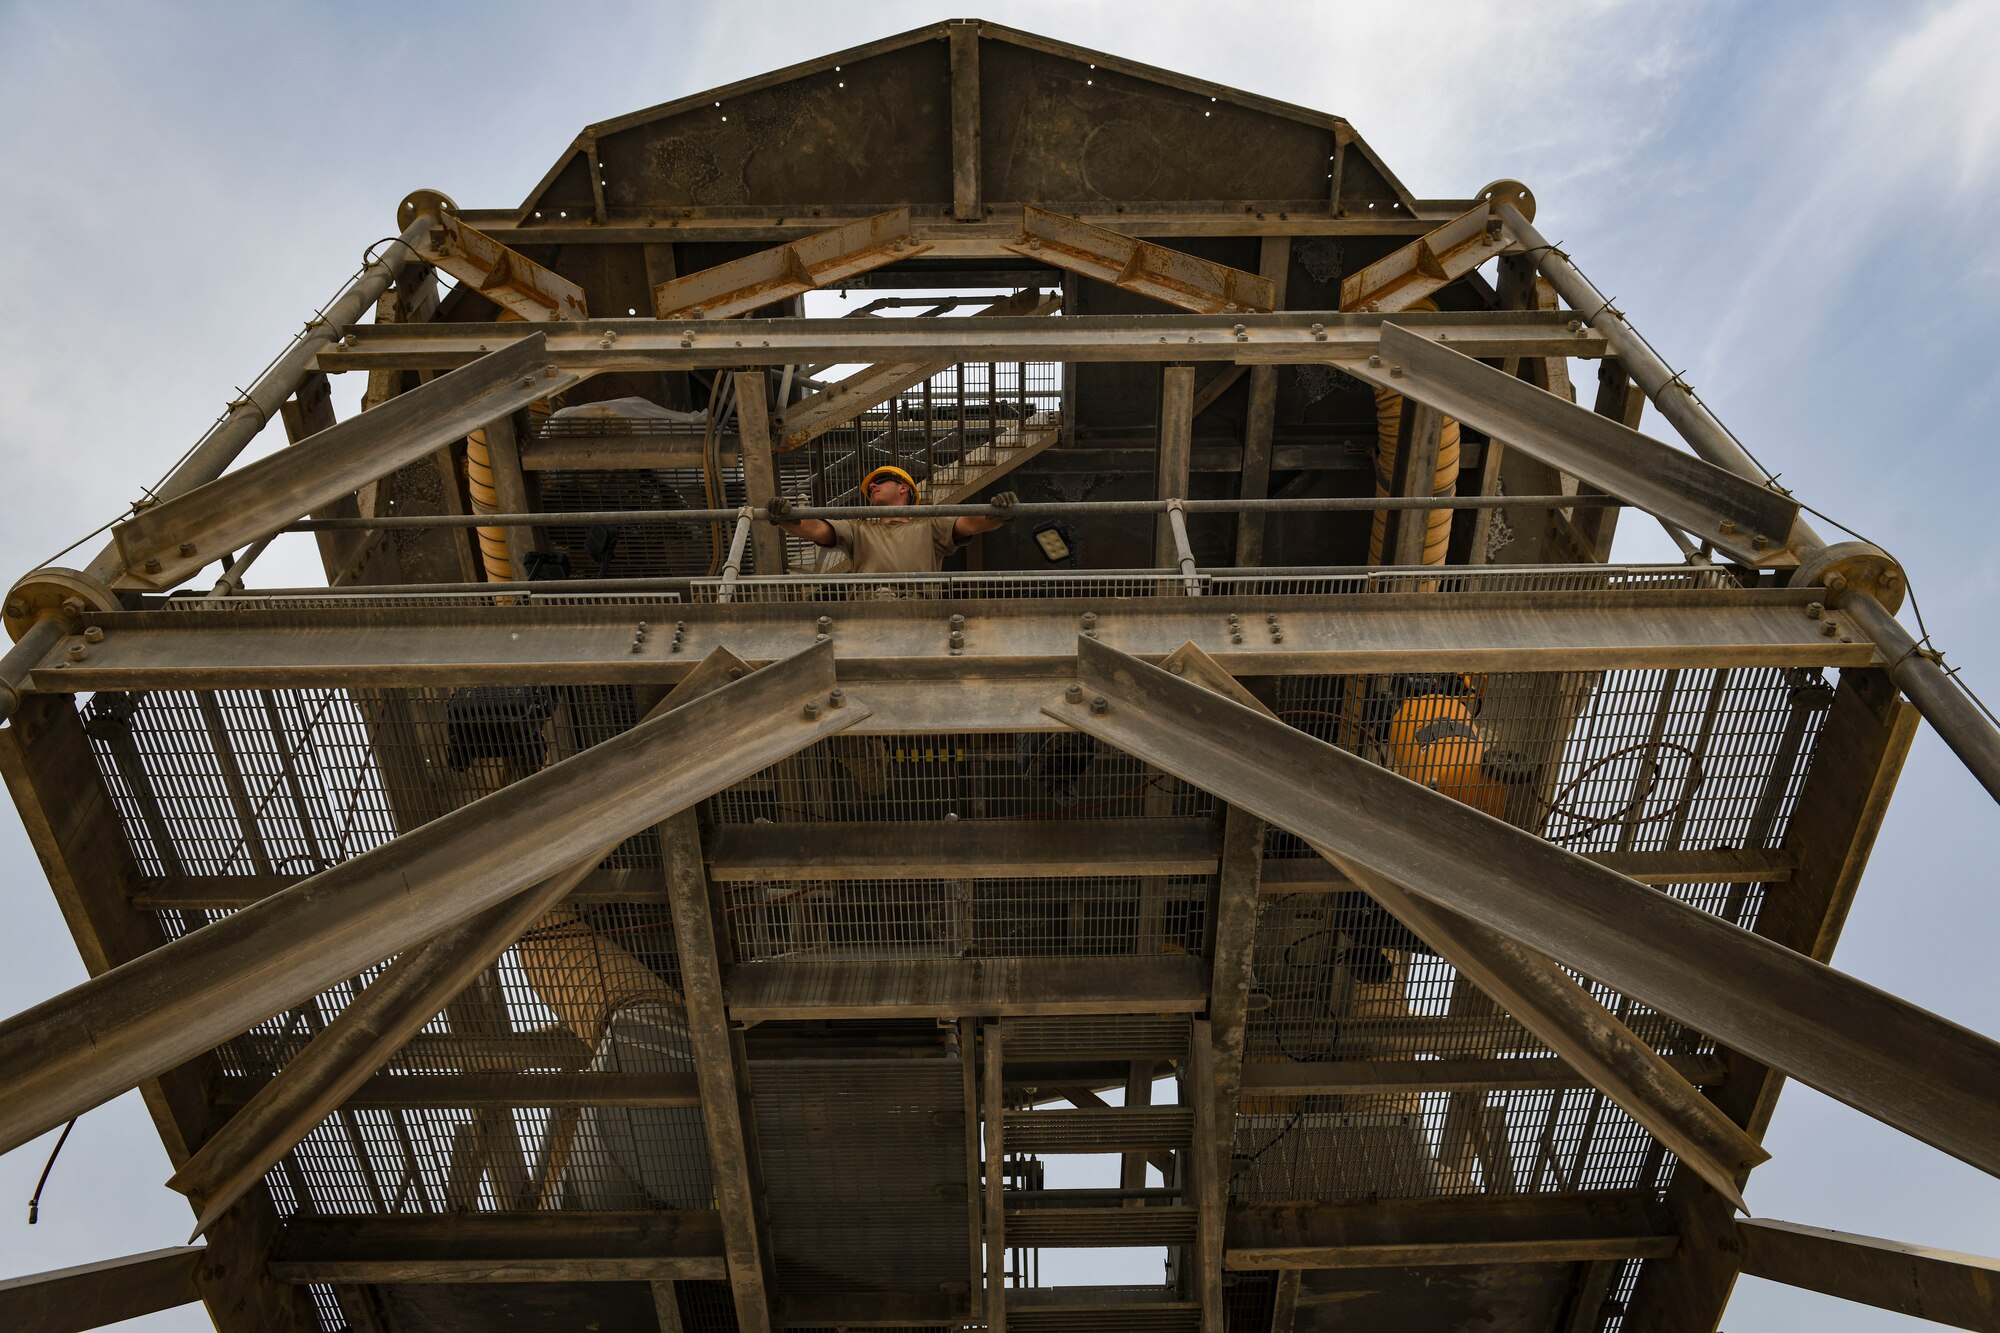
785 271
1362 1078
1944 1286
504 276
717 1053
1274 263
502 1247
1171 276
166 542
1468 1229
1748 522
79 1049
1443 254
68 1300
1886 1058
966 201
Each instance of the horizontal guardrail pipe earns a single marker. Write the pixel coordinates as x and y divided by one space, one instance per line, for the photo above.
1047 509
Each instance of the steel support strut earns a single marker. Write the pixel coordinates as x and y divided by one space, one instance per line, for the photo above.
338 1061
1889 1059
167 542
1970 734
81 1048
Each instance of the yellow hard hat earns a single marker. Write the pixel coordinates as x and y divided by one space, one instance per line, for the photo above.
895 472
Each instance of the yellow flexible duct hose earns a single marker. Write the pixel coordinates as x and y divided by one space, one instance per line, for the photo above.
485 500
1388 429
583 977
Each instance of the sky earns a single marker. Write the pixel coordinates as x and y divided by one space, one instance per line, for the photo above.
1791 200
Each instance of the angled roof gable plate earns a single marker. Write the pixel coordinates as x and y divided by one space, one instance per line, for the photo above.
871 128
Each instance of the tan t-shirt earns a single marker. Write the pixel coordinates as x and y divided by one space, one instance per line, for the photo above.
895 546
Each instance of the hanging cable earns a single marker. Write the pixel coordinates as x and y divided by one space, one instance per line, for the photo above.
35 1203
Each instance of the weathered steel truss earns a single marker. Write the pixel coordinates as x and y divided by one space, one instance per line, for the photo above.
588 909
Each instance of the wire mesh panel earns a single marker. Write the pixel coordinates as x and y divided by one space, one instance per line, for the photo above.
589 990
861 920
1034 775
287 782
864 1174
641 550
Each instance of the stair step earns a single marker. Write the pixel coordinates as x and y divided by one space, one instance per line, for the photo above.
1088 1040
1101 1310
1111 1129
1099 1228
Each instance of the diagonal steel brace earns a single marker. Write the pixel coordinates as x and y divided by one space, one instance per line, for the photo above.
83 1047
1881 1055
164 544
422 980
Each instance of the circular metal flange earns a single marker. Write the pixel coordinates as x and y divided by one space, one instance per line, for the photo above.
420 202
41 594
1510 192
1846 568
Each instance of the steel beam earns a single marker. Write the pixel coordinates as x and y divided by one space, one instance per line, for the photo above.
1362 1078
1174 277
1746 521
1176 446
254 408
493 1091
966 199
984 849
168 541
1962 1290
1472 1229
1261 413
760 469
1443 254
338 1061
506 277
67 1300
1276 339
1532 989
717 1052
908 642
1578 1029
74 1051
502 1247
784 271
1886 1058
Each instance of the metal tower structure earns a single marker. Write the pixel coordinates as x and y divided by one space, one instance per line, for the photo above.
591 909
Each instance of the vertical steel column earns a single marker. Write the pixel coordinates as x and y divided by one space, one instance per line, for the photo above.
1176 452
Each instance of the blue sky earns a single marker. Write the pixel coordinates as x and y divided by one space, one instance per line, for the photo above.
1793 201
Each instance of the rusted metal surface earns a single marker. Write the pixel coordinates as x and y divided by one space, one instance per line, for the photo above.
507 277
1165 274
1438 257
755 281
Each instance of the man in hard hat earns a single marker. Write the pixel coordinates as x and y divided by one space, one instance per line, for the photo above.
890 545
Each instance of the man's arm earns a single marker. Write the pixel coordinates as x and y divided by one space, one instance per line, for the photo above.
971 526
815 530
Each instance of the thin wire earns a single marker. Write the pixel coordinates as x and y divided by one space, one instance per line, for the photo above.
368 258
1923 645
35 1203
